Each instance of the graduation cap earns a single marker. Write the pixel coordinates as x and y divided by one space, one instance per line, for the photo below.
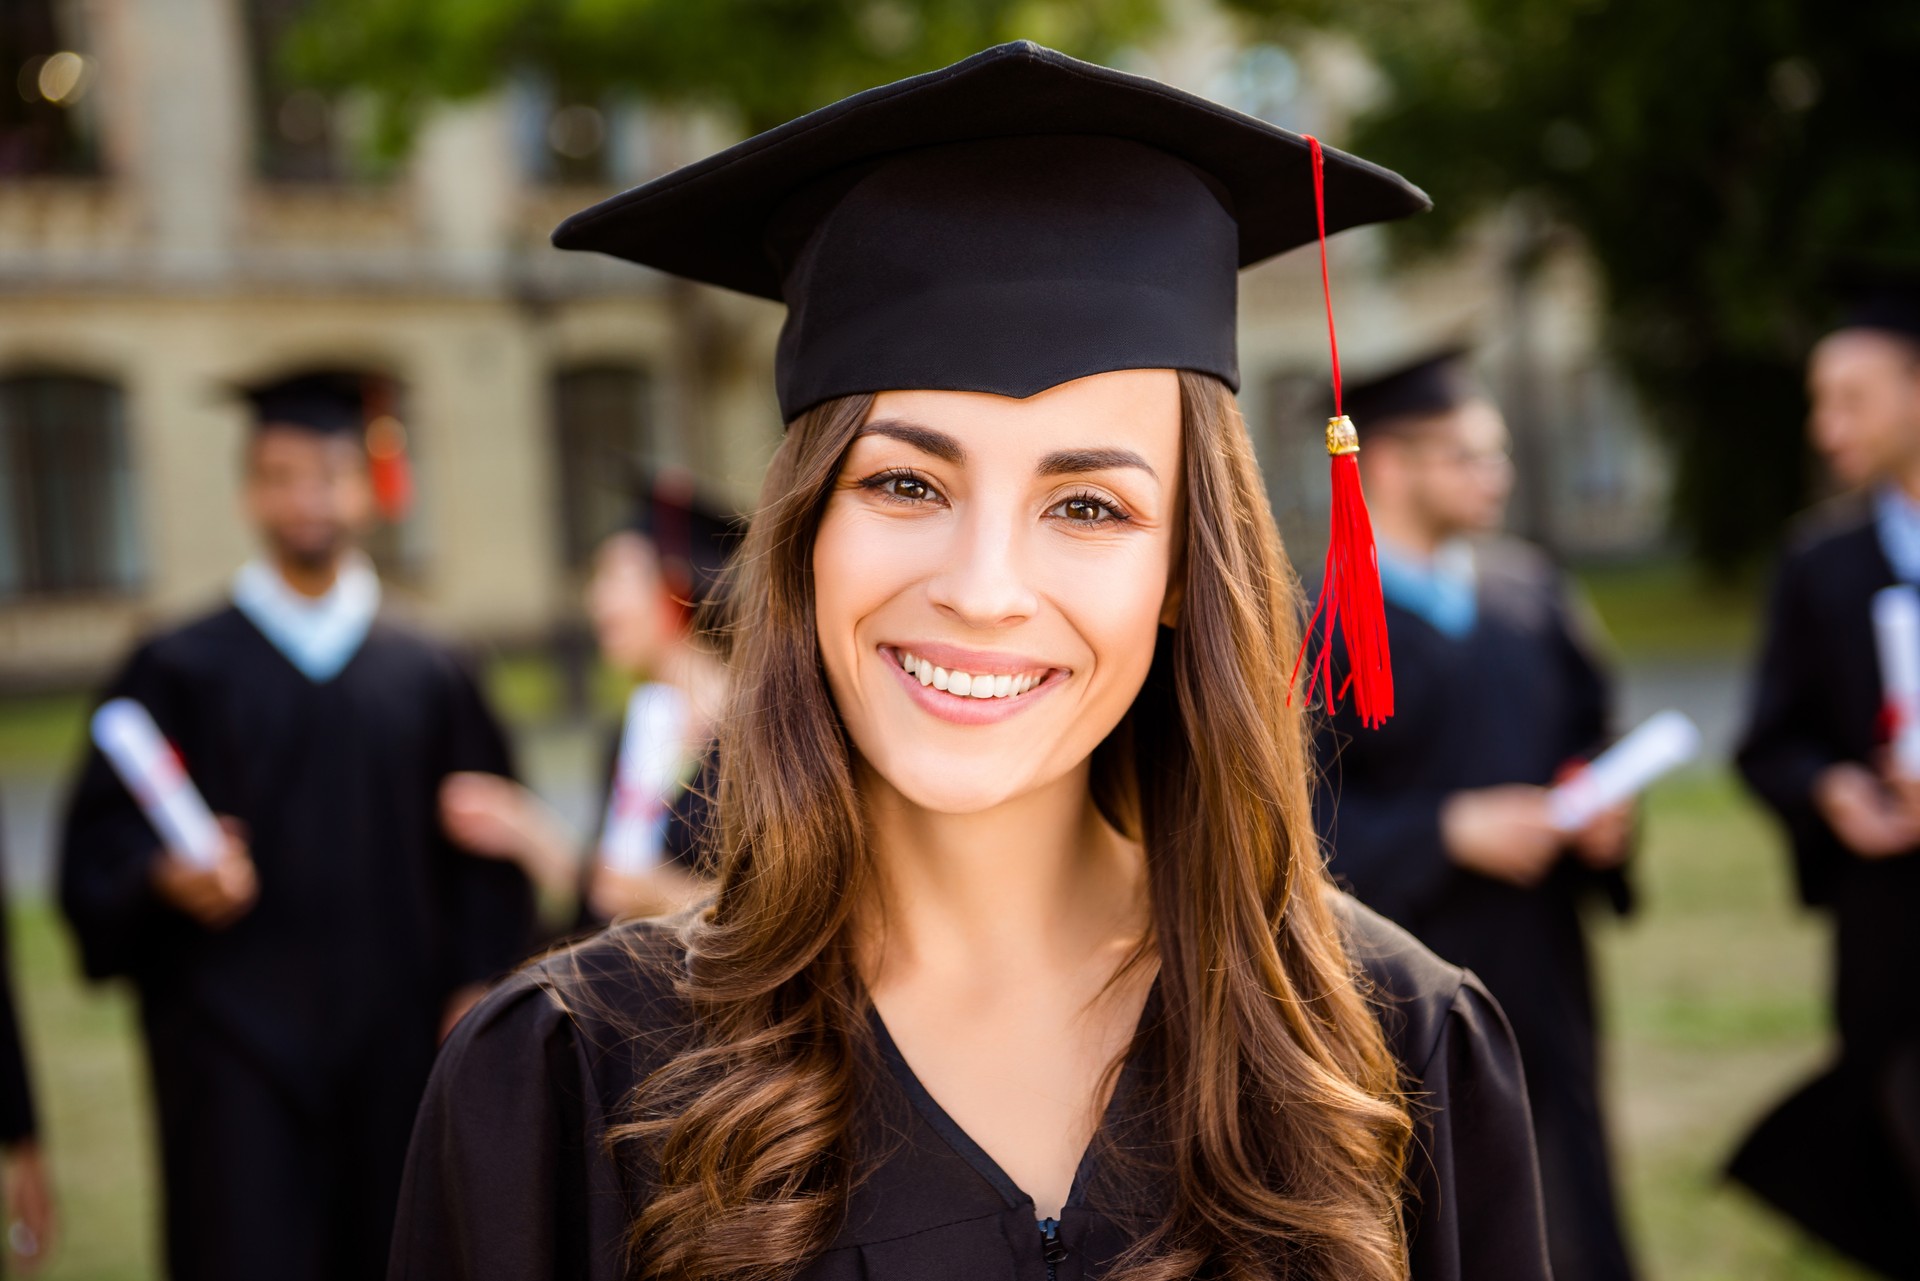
1009 223
340 403
327 403
1436 383
693 537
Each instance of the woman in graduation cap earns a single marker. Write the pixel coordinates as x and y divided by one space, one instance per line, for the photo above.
1021 960
653 601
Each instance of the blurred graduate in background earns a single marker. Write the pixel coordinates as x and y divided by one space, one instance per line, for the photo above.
652 601
1842 1155
1440 818
292 993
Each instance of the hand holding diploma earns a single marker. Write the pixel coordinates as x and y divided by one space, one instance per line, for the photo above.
1661 743
204 869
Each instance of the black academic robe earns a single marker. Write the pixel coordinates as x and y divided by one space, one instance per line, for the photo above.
1842 1155
16 1093
509 1180
289 1050
1514 701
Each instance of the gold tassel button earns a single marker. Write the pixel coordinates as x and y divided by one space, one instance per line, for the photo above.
1342 438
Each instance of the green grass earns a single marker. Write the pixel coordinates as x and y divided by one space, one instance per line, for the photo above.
41 733
1712 994
90 1083
1667 609
1714 1005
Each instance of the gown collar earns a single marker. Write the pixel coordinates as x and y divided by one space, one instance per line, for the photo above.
1896 520
1442 589
318 635
1120 1104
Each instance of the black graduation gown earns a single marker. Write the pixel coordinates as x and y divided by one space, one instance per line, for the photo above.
16 1093
288 1051
1842 1155
508 1177
1513 701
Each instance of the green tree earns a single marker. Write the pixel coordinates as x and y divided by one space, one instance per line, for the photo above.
765 60
1717 156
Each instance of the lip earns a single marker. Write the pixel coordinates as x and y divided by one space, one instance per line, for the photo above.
970 711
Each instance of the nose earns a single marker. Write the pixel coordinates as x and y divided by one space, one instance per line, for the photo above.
982 582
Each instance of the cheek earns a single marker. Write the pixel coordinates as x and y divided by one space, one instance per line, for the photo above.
856 569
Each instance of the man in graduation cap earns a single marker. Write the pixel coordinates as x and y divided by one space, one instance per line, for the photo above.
292 993
1842 1155
1439 819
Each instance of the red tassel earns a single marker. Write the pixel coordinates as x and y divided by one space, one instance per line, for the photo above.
1350 599
390 469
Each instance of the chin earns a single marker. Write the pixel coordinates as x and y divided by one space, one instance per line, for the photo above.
955 783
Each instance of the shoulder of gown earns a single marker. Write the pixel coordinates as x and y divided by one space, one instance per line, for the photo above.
1475 1208
508 1174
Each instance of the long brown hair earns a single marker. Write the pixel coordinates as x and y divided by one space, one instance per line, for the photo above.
1283 1133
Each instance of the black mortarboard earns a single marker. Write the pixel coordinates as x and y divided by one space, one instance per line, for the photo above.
327 403
1879 297
1437 383
693 537
1014 221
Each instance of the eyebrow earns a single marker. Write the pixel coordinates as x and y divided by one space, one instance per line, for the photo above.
1062 462
1068 462
925 439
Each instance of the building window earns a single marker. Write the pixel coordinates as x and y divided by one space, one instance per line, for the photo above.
66 488
46 124
605 436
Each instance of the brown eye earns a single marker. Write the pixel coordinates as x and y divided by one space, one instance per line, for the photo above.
911 488
1085 509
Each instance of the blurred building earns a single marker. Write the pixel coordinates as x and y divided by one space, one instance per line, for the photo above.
177 217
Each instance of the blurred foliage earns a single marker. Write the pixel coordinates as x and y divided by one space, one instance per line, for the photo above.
1716 156
764 60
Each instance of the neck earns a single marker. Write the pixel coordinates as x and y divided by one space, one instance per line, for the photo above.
309 579
1040 884
1906 478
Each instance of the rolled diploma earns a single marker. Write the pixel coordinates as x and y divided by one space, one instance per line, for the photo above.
151 770
652 753
1896 632
1662 742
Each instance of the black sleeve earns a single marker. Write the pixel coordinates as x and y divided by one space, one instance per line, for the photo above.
1475 1211
108 848
1382 838
506 1179
1782 751
490 908
16 1092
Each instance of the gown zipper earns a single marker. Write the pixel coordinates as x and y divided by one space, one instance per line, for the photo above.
1052 1248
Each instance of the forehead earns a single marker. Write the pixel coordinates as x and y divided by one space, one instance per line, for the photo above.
291 445
1136 407
1861 354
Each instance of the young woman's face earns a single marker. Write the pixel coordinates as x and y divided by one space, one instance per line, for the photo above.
627 601
1018 547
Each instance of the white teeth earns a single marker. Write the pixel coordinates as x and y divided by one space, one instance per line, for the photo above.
968 684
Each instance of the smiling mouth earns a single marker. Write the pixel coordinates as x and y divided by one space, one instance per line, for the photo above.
970 685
